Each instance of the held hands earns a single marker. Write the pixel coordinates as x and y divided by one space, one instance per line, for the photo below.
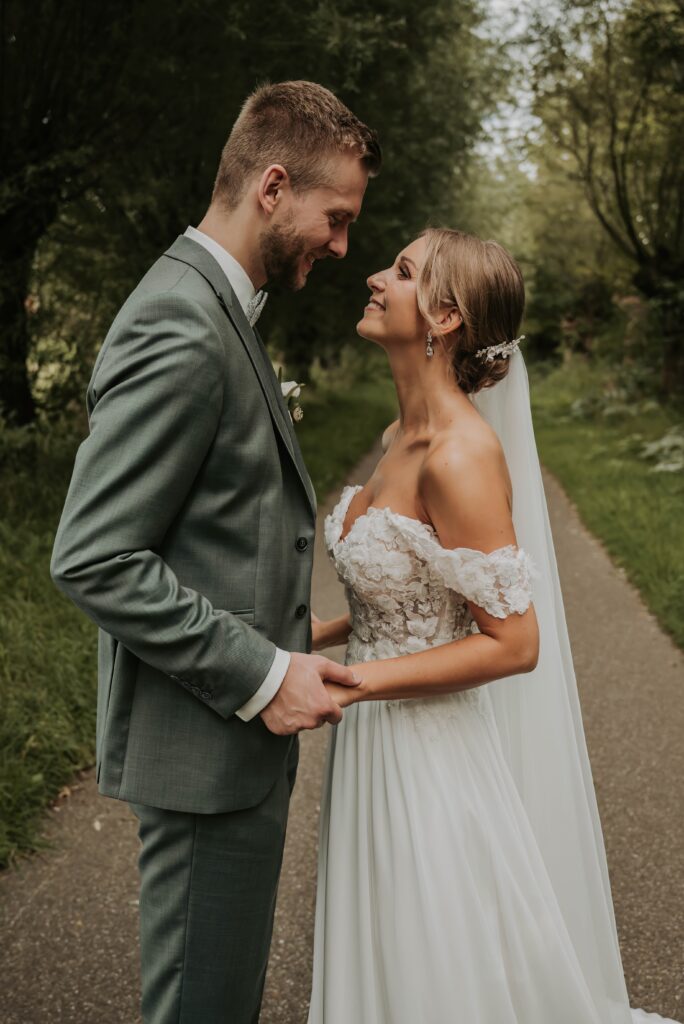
303 701
342 695
346 695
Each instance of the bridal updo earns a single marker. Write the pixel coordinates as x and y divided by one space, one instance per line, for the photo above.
486 285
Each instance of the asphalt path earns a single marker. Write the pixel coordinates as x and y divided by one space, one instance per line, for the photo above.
68 916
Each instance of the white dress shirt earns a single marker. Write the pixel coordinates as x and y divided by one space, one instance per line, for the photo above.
244 290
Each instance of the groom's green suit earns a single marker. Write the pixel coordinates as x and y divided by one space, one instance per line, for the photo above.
187 535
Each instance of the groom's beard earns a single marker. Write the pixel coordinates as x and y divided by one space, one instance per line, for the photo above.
282 248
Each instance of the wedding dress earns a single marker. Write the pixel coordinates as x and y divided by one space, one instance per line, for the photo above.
445 894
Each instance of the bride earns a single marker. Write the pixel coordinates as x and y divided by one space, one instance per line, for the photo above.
462 875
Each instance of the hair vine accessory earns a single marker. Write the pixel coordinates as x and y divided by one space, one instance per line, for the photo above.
504 350
429 351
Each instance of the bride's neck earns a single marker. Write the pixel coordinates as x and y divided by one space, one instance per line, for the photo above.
429 399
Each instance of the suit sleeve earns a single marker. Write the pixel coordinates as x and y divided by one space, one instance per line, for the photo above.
268 689
156 399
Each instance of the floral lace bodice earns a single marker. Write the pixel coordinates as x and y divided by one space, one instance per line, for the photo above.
407 593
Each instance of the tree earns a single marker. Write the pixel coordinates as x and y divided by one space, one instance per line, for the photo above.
608 78
83 87
138 103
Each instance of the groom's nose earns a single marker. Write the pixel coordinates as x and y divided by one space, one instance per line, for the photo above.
338 244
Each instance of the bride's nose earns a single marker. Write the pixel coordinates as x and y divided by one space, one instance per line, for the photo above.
375 283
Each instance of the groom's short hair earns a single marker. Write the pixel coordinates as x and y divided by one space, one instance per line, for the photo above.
300 125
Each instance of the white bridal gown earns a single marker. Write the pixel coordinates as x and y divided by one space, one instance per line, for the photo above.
433 902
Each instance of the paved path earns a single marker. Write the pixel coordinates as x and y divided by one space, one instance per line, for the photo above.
68 918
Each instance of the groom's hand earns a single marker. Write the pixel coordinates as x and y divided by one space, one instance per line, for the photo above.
302 702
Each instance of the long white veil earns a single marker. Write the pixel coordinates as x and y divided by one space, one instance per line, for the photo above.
540 723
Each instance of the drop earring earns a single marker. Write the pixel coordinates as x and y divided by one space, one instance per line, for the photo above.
429 351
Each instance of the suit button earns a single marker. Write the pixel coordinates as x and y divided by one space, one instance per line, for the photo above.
302 544
205 695
301 611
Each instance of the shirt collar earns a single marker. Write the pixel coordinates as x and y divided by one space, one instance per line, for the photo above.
237 276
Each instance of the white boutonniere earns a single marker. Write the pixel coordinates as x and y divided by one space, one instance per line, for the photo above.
291 391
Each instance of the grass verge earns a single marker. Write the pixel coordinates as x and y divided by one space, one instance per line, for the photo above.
593 430
48 648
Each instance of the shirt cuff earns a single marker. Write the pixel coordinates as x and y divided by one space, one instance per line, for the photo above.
268 689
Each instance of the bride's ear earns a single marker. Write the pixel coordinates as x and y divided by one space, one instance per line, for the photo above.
450 321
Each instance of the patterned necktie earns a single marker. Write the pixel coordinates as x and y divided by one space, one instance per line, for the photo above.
255 306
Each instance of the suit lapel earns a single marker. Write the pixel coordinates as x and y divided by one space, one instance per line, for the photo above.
185 250
287 420
268 376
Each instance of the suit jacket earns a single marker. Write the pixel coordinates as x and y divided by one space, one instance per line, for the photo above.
187 536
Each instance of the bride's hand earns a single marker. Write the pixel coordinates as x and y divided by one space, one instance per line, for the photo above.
329 632
342 695
317 630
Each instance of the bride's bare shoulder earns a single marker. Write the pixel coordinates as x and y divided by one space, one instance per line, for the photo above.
465 487
466 449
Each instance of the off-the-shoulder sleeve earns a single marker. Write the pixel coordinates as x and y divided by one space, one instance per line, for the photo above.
499 582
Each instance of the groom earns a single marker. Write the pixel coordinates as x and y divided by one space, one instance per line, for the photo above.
187 535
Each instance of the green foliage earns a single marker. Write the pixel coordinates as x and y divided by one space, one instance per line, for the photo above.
608 82
47 648
574 278
617 453
86 89
589 198
117 142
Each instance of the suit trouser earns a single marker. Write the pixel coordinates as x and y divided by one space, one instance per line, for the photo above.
207 898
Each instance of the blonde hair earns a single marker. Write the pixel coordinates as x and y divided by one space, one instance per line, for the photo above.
483 281
300 125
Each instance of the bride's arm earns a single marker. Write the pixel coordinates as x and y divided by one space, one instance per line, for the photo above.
459 665
329 632
468 503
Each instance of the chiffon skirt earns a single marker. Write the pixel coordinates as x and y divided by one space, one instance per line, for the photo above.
433 904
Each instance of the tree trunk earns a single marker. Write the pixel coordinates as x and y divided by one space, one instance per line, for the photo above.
20 232
663 291
672 377
16 400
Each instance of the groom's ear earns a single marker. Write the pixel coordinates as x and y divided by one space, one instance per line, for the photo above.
272 185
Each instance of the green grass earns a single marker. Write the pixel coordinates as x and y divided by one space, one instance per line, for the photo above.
591 430
48 648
